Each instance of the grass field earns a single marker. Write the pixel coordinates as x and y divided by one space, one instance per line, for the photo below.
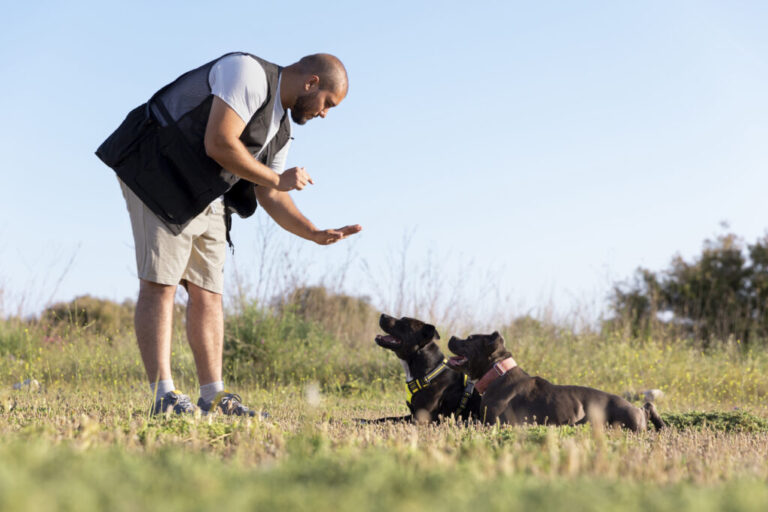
83 439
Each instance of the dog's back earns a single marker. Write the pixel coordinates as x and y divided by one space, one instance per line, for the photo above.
536 400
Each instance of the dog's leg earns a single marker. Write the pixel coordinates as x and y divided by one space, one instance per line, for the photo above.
490 414
653 415
390 419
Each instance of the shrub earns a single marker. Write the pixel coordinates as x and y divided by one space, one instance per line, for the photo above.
269 346
351 320
99 316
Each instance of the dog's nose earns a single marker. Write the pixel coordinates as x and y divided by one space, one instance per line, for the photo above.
386 321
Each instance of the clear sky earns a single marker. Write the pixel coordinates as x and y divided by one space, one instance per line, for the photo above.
547 148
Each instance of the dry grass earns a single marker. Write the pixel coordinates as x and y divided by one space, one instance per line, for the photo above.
311 452
84 440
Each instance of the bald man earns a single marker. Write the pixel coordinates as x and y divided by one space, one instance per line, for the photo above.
211 143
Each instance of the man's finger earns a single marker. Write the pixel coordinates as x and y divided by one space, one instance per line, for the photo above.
304 178
351 229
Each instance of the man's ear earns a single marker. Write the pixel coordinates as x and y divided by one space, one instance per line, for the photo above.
312 83
429 332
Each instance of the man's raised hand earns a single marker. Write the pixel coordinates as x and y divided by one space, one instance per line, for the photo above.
330 236
295 178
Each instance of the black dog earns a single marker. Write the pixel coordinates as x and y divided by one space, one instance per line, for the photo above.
509 395
434 390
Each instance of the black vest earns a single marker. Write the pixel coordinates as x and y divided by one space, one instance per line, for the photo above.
159 151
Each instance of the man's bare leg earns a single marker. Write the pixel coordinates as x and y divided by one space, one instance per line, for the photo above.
205 332
153 323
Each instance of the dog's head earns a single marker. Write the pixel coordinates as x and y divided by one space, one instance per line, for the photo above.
476 354
405 336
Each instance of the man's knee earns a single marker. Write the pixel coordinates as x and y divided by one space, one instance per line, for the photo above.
203 297
149 291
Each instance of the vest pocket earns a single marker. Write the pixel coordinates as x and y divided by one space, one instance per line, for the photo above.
173 176
122 142
168 171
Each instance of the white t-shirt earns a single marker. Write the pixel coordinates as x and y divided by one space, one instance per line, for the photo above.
240 81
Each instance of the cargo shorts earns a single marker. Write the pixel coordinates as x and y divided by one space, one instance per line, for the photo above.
196 255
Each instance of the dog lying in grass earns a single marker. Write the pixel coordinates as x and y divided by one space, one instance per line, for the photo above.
434 390
510 395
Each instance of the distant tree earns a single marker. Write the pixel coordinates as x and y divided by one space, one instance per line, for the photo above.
721 293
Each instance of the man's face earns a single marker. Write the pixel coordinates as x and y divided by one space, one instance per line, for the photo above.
314 103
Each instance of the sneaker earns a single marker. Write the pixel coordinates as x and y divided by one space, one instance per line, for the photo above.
230 404
173 401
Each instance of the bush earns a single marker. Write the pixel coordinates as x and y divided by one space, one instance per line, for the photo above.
268 347
100 316
351 320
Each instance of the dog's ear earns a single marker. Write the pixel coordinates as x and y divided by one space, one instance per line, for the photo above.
494 339
429 332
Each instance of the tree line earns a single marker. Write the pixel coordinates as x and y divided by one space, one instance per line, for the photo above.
720 294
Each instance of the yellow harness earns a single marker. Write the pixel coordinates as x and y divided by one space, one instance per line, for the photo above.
414 386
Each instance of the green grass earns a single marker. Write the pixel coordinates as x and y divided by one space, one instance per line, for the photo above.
85 441
107 478
717 421
95 453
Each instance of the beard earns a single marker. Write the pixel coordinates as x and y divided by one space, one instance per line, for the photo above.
301 108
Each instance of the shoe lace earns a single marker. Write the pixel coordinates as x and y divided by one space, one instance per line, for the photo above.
184 402
233 401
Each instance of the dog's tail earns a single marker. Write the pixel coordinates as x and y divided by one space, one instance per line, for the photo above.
652 415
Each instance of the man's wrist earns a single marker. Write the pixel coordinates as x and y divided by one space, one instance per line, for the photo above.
275 181
312 233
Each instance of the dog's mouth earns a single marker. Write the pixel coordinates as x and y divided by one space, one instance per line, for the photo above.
388 341
458 362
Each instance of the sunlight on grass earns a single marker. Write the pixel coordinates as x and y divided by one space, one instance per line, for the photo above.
79 427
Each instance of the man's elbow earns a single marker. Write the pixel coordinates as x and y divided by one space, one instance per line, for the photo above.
267 197
217 147
211 147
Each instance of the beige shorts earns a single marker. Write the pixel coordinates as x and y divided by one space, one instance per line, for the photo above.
195 255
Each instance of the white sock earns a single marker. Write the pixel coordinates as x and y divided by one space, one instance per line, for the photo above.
161 387
209 391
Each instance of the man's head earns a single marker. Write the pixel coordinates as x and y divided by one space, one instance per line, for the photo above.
319 83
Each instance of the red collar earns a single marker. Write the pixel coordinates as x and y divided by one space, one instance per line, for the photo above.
496 371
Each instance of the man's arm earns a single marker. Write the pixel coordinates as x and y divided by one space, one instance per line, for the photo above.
223 144
283 210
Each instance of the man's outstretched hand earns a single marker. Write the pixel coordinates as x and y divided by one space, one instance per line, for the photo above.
330 236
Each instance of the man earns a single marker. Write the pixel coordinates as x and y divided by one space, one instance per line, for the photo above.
212 142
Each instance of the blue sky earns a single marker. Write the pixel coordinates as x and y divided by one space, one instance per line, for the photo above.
548 148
